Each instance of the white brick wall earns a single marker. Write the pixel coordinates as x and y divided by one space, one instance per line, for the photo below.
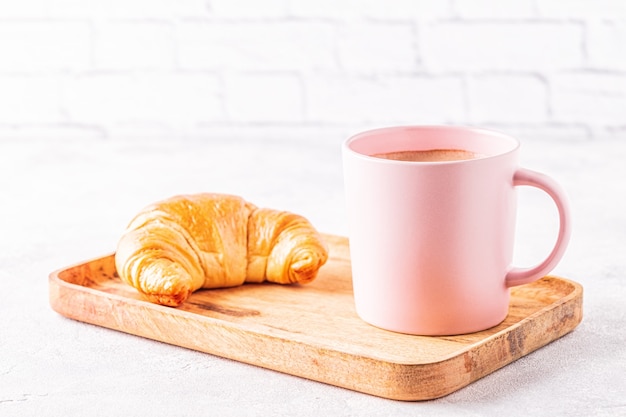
547 69
502 46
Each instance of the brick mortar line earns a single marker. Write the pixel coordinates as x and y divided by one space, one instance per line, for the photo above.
242 21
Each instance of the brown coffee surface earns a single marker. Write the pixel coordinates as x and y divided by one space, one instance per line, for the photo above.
431 155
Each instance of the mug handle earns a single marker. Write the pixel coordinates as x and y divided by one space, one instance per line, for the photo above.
519 276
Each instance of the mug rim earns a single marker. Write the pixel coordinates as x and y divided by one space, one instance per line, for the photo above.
513 143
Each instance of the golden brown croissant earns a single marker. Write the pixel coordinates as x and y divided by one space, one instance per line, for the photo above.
188 242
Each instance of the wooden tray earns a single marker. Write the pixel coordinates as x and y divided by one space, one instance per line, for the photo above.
313 331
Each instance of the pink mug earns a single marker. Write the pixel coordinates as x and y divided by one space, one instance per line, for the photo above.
431 243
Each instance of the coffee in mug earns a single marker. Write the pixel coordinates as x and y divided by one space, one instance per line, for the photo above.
429 155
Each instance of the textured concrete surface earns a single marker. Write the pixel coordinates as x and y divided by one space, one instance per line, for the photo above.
64 202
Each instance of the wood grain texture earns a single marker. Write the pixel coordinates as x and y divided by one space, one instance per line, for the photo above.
313 331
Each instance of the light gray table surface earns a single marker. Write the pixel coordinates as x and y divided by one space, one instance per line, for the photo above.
67 201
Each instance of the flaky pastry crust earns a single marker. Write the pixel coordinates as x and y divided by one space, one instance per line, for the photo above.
188 242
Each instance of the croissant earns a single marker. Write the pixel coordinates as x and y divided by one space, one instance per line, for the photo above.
188 242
